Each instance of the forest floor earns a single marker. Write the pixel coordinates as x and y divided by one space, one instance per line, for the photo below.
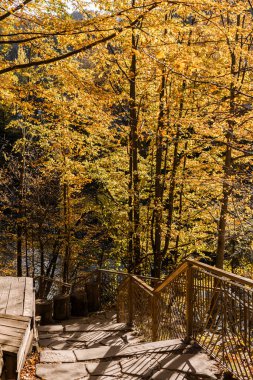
99 348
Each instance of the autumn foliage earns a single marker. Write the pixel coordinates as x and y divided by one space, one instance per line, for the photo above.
126 135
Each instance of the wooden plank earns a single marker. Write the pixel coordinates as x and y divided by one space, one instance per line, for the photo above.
28 348
29 305
20 318
21 280
5 281
16 298
17 325
12 331
5 285
7 348
23 349
10 341
22 330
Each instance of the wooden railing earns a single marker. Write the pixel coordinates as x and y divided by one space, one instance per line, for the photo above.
106 284
47 288
197 302
135 302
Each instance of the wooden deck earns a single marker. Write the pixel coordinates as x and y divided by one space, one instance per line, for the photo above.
17 310
17 296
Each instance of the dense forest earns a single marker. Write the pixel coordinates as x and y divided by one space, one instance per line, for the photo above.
126 135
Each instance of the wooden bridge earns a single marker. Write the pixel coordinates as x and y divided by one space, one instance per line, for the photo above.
17 310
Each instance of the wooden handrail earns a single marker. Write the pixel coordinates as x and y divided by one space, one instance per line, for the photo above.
115 272
196 302
49 279
171 277
128 274
143 285
222 273
123 283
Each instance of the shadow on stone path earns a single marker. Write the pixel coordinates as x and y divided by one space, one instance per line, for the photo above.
99 348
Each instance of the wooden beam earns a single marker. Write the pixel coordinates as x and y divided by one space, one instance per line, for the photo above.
29 298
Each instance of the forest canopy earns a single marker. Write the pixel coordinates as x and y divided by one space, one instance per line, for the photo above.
126 135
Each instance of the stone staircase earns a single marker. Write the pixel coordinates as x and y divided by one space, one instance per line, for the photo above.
99 348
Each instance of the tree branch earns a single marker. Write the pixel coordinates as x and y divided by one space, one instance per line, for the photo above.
13 10
41 62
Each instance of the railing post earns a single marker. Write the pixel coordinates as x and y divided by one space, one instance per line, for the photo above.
189 302
155 317
130 301
100 289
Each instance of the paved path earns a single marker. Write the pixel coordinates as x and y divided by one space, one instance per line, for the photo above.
98 348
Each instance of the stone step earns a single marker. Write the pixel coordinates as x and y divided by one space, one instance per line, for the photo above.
155 366
82 327
54 356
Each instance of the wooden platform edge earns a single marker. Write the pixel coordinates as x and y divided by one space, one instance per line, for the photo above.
24 351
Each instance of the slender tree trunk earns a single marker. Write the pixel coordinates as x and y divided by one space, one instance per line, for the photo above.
170 199
21 211
130 209
33 256
50 272
171 195
224 206
42 256
19 247
159 188
134 201
180 211
26 251
227 188
67 253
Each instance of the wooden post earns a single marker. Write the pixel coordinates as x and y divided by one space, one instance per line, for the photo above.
79 303
155 313
130 302
189 302
118 308
61 308
44 308
1 362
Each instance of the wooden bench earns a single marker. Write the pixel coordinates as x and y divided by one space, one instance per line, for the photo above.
17 322
16 336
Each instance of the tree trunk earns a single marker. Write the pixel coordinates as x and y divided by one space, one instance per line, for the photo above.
134 202
176 161
159 184
224 207
180 211
67 253
227 188
170 199
20 217
19 248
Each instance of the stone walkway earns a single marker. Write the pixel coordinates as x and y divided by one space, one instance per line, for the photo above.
98 348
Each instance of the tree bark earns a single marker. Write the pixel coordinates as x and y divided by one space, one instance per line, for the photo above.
134 197
67 253
159 184
227 188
